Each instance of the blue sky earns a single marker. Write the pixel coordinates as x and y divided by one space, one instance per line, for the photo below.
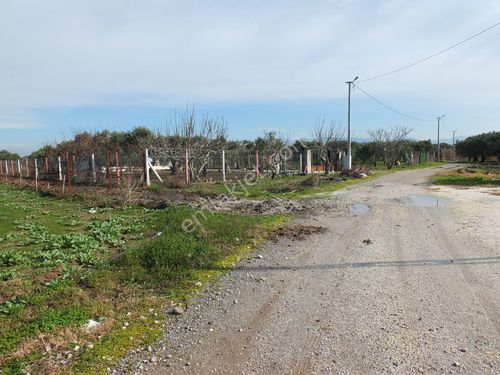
74 65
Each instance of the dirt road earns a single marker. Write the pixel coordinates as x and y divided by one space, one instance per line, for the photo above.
403 285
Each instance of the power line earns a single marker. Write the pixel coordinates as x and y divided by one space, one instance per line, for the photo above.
391 108
431 56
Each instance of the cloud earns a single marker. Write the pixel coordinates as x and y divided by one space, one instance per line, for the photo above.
59 53
18 118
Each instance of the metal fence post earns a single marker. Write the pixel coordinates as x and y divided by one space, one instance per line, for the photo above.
110 174
94 177
186 166
146 164
257 163
36 174
68 171
59 167
223 165
118 170
309 162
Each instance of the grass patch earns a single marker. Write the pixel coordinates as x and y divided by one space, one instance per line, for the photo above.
469 176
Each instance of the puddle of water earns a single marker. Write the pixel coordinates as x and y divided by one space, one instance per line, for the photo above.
358 209
421 200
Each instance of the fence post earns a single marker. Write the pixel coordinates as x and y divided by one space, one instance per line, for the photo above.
46 166
309 162
118 170
6 169
110 174
257 163
59 168
19 169
27 168
146 167
75 169
68 171
223 165
300 163
36 174
94 178
186 166
1 167
12 170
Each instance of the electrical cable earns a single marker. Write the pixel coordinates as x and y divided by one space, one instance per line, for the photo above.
431 56
391 108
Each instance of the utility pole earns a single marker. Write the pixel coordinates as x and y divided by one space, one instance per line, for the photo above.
438 144
454 152
348 162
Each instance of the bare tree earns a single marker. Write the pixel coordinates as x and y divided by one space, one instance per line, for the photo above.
202 138
390 143
327 137
275 148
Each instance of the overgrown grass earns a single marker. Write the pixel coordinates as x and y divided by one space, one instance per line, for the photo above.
475 175
61 265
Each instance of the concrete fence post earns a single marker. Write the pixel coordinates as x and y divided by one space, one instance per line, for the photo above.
19 168
309 162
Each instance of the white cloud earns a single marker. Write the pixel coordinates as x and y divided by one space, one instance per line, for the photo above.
60 53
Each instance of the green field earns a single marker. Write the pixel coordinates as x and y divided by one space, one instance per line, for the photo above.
61 265
475 175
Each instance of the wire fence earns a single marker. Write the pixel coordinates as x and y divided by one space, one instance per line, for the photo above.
109 168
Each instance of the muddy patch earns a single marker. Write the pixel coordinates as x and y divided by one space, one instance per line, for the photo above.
297 232
359 209
423 200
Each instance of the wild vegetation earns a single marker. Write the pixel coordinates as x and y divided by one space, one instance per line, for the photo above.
63 265
482 175
7 155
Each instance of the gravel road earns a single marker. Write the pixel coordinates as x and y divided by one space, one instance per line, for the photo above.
402 284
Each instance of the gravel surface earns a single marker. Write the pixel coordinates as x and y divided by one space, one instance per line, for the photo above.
400 287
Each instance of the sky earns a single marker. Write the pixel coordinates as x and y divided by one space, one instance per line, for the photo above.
71 65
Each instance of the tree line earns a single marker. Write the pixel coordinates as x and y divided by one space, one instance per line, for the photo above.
479 147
